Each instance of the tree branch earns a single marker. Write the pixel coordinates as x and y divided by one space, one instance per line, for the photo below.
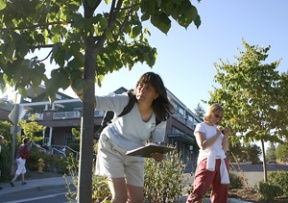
111 22
42 46
36 26
45 57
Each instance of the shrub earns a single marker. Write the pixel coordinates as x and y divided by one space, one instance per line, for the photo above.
279 178
5 164
52 162
73 172
277 185
100 189
236 175
163 180
268 192
235 180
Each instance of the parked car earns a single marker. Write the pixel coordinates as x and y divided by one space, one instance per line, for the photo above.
272 161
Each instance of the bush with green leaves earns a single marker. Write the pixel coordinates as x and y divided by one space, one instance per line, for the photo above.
100 189
279 178
236 180
5 163
236 175
163 179
52 162
276 186
268 192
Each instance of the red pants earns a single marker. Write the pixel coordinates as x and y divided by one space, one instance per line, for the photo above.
204 179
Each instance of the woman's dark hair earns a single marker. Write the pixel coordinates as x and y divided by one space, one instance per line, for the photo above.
161 106
25 140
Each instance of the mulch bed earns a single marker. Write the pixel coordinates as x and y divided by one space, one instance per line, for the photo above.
251 195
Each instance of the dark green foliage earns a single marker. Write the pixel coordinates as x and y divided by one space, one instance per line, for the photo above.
5 155
163 179
5 163
253 152
268 192
52 162
277 185
235 180
279 178
199 111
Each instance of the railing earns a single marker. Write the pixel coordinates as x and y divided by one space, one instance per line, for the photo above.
63 149
42 149
66 114
190 125
63 115
76 153
39 148
39 116
181 118
58 151
99 113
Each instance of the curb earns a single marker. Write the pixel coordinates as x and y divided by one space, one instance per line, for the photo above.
60 182
207 200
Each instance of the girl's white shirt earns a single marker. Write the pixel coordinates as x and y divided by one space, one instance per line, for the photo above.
216 148
129 131
213 152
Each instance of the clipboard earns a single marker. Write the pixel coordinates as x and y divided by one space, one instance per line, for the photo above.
150 148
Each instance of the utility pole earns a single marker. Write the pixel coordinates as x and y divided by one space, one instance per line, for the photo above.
16 114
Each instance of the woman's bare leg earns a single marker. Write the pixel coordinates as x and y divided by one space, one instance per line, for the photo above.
135 194
118 189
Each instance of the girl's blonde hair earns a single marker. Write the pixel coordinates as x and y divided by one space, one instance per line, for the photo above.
213 109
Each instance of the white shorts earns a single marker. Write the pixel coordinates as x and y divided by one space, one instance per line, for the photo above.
111 162
21 169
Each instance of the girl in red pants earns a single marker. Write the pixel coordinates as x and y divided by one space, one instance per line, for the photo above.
212 168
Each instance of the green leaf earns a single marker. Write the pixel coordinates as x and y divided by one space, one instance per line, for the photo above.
79 84
145 16
51 89
60 79
22 91
136 31
3 4
161 21
103 23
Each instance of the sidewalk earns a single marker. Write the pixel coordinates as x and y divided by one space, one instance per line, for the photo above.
60 182
34 185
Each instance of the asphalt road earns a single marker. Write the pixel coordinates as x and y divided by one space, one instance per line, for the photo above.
56 195
254 172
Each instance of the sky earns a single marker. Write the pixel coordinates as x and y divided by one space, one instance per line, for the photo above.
186 57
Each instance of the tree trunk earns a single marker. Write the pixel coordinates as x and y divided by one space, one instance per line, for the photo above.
87 126
264 160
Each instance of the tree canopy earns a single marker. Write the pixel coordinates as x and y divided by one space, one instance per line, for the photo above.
253 94
31 128
118 38
199 111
